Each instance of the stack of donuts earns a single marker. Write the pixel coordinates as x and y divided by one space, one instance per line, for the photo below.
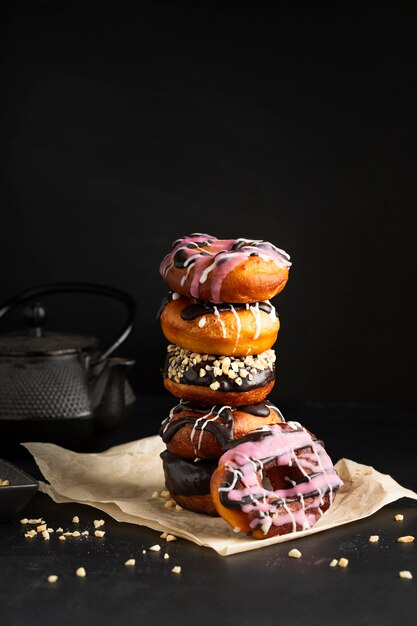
229 451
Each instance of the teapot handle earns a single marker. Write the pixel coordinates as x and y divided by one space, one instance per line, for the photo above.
102 290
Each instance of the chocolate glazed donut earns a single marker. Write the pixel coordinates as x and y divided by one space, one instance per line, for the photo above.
199 432
230 329
189 483
211 379
225 270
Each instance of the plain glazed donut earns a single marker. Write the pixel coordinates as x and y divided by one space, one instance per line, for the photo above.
228 329
225 270
189 483
276 480
211 379
199 432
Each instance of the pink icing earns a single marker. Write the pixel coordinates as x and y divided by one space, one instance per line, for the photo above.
220 261
278 448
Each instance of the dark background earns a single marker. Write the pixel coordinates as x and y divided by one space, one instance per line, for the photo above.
125 125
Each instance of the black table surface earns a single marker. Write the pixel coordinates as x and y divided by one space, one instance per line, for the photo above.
263 586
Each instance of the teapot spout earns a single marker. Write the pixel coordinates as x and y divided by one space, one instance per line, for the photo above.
112 396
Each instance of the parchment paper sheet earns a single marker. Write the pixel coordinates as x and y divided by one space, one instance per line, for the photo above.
121 480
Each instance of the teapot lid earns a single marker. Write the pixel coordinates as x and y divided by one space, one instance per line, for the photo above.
48 344
37 342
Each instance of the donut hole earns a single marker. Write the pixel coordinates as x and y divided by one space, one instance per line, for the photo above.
281 477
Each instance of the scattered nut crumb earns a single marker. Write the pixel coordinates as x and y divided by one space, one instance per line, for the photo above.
399 517
45 535
4 483
171 538
99 533
166 556
98 523
50 530
178 507
164 535
236 529
406 574
31 533
62 538
169 504
39 520
143 551
81 572
130 562
52 579
333 563
373 538
405 539
76 533
24 520
75 519
85 533
155 494
41 528
176 569
343 562
155 548
164 494
60 530
294 553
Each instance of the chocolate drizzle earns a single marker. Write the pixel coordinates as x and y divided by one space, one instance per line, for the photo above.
221 428
192 311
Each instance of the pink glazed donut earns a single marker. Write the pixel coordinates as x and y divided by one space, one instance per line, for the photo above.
276 480
225 270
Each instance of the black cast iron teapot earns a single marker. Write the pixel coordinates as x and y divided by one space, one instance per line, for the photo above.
58 387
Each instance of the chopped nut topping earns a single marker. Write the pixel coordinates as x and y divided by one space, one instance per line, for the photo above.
343 562
52 578
202 372
99 533
155 548
333 563
75 519
373 538
81 572
176 569
98 523
405 539
399 517
294 553
130 562
214 386
171 538
406 574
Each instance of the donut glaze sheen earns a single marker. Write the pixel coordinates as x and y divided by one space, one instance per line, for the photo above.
201 432
229 329
225 270
189 483
276 480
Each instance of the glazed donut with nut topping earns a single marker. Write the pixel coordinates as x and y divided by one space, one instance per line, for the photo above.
208 379
225 270
189 483
199 432
229 329
275 480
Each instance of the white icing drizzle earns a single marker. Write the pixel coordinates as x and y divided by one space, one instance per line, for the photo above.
185 277
219 318
202 321
238 327
258 320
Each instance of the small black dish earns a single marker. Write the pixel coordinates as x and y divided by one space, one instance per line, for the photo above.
14 497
